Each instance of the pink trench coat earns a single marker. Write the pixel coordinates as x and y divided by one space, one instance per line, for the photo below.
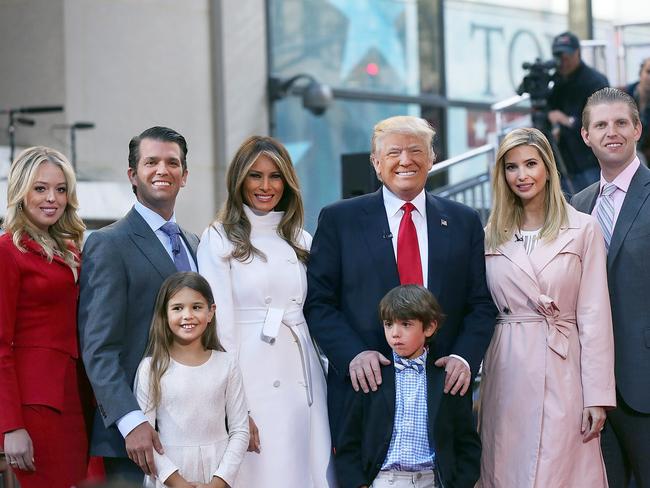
552 354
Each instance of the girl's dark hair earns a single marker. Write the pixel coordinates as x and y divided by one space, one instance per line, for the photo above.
161 336
408 302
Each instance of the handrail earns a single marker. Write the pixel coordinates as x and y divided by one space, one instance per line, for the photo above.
509 102
447 163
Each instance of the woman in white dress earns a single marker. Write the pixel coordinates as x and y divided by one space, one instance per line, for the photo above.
254 257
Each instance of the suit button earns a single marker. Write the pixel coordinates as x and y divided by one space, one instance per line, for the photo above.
276 384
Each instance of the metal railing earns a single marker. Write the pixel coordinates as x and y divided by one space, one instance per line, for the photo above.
473 191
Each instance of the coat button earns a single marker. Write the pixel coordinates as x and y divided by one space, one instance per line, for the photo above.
506 310
276 383
267 300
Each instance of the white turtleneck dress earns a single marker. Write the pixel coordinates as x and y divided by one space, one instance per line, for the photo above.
260 320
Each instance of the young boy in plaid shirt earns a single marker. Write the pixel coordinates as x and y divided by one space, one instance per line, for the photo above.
409 433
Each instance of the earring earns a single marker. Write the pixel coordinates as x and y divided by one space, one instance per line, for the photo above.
20 205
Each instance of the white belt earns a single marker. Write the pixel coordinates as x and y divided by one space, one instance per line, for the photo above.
292 318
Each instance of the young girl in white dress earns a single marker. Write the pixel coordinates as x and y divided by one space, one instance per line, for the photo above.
191 391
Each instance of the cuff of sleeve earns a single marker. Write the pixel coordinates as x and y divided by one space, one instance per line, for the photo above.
462 359
130 421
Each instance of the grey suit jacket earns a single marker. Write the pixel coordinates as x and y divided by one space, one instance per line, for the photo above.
628 274
123 266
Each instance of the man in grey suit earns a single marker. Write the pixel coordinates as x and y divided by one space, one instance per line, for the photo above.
124 265
621 203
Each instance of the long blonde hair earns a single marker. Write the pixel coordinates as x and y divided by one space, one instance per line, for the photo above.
232 216
161 336
69 228
507 213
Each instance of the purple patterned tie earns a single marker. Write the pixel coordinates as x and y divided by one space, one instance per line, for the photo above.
181 260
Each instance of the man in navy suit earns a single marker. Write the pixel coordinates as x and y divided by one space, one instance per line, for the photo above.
124 265
367 245
621 202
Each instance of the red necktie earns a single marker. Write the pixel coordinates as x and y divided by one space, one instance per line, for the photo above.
409 264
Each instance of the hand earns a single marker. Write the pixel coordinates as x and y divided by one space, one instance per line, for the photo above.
458 376
365 372
140 443
559 117
593 420
175 480
215 483
254 439
19 450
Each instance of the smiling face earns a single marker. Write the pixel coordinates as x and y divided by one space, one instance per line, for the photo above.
526 174
159 175
263 186
612 135
402 164
47 198
407 336
188 315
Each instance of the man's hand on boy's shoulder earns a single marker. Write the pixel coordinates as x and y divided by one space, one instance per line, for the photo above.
365 370
458 376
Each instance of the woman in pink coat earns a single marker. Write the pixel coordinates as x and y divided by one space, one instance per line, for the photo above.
548 375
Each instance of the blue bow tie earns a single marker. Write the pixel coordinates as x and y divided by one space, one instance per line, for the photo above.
416 364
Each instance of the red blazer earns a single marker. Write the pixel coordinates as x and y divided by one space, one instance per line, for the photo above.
38 329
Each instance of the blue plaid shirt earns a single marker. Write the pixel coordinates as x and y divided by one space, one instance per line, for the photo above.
409 448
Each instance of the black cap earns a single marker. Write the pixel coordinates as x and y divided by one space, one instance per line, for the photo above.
567 42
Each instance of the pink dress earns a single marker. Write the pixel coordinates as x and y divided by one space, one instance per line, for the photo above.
552 354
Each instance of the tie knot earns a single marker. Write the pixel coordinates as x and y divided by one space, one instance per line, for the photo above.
408 207
171 229
608 189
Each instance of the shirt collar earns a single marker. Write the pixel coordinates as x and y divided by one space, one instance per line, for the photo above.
394 204
153 220
623 180
422 356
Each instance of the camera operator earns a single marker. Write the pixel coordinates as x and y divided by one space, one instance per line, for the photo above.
574 82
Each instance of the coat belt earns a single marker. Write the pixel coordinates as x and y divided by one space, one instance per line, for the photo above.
559 325
291 317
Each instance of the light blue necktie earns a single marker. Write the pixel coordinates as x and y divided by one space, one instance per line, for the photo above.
605 212
181 260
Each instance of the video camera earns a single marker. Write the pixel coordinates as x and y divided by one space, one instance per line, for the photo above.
535 83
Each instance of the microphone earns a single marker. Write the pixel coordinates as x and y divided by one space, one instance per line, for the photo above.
39 110
83 125
25 121
518 238
387 235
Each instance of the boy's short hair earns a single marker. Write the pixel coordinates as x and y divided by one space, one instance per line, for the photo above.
408 302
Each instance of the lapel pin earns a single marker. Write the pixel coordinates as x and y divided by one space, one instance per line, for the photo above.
443 222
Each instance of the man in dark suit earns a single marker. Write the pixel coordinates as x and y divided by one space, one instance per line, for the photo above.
620 201
124 265
400 234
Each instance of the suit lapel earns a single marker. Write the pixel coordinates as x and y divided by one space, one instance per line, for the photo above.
587 201
149 244
375 230
191 243
516 253
435 384
636 196
544 252
438 225
387 390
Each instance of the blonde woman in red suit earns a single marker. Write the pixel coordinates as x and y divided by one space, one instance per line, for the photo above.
41 417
